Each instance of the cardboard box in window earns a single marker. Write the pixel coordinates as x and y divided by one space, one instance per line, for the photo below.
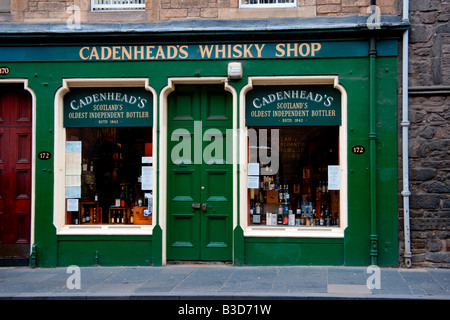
141 215
272 196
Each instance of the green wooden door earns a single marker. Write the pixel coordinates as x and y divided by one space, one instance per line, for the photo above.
199 183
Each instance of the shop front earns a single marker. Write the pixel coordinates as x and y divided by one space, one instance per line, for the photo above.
255 152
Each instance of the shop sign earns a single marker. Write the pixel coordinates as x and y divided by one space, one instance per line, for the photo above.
108 107
315 105
189 51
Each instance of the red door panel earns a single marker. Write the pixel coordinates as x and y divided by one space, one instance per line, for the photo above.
15 168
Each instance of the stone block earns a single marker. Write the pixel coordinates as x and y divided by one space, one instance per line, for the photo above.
428 132
209 13
319 2
177 4
446 204
173 13
422 174
421 33
194 12
356 3
425 201
325 9
438 257
420 5
437 187
224 4
434 245
418 148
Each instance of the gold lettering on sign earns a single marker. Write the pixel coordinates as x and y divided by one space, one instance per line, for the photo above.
134 53
294 50
201 51
4 70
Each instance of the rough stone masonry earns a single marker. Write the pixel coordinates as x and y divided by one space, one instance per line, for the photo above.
429 145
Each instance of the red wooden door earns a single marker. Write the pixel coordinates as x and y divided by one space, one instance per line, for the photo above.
15 171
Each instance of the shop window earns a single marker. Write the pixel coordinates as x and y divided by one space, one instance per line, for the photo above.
267 3
114 5
293 188
108 156
109 188
293 157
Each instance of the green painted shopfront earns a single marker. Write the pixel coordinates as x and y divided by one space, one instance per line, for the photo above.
275 145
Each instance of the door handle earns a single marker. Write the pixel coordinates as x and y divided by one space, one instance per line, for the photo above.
205 207
195 206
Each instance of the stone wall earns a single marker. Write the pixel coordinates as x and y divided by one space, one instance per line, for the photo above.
429 144
53 11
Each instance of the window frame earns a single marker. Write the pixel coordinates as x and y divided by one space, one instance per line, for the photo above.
297 231
96 7
59 161
266 5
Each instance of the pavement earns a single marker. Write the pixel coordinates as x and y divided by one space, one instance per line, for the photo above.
224 282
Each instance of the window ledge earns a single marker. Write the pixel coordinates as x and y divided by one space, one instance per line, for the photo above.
106 230
294 232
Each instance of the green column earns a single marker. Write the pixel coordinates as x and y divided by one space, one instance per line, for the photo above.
373 157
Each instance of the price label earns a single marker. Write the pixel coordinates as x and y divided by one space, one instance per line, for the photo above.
44 155
358 149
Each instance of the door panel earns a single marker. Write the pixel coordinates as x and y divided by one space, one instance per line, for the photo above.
199 223
15 170
184 231
217 242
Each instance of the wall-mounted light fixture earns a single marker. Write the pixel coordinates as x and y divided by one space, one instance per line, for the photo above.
235 70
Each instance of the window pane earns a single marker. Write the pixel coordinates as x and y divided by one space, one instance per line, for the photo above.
117 4
293 182
266 2
103 175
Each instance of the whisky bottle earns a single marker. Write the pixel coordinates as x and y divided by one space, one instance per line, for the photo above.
256 218
291 218
327 217
258 208
74 217
122 198
88 215
285 213
316 218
